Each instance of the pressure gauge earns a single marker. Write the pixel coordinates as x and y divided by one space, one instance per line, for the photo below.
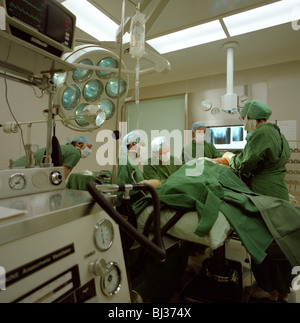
17 181
103 235
111 279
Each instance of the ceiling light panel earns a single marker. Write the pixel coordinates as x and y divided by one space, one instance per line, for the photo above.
189 37
263 17
92 21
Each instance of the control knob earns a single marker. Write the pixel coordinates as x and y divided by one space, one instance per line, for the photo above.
56 178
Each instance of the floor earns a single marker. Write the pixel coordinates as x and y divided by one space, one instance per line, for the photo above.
190 288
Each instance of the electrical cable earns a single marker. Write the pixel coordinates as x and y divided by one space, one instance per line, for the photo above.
156 249
39 97
10 110
8 104
7 101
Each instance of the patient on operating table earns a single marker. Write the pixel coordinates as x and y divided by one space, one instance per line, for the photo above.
207 187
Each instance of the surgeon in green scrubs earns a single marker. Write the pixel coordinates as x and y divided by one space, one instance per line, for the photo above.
133 153
199 147
79 147
154 275
263 160
161 164
265 154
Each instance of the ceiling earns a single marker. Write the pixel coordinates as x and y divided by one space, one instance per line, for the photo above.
260 48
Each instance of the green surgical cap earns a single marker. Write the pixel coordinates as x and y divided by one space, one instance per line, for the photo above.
256 110
197 125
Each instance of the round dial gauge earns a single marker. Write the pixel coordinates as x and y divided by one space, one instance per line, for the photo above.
17 181
111 280
206 105
215 111
103 235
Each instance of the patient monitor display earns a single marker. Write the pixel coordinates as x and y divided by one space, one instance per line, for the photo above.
229 137
43 23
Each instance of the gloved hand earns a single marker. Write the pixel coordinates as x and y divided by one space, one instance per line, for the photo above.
222 161
228 155
153 182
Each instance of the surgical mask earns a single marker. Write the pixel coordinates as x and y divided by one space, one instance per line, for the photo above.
85 152
140 152
165 157
250 125
199 138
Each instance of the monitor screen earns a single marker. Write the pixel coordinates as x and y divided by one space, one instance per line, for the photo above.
227 137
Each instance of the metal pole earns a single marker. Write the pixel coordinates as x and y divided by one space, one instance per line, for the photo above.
115 166
230 56
47 160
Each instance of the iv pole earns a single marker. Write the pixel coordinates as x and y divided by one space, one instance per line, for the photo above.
115 166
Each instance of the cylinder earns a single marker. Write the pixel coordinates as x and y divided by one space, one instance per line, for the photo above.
10 127
230 59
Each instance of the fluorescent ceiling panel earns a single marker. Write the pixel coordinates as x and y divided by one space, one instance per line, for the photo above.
189 37
263 17
92 21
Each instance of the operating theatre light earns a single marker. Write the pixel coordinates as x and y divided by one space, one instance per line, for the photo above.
87 97
93 115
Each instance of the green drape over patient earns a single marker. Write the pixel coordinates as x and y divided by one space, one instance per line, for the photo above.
209 188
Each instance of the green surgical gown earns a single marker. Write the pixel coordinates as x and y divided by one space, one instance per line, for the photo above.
193 150
263 160
156 170
70 156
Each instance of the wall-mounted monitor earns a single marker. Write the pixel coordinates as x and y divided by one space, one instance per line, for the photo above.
227 137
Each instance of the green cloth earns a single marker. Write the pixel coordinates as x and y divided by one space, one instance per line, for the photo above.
217 189
257 219
70 156
78 181
263 159
156 170
283 221
193 150
129 173
256 110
